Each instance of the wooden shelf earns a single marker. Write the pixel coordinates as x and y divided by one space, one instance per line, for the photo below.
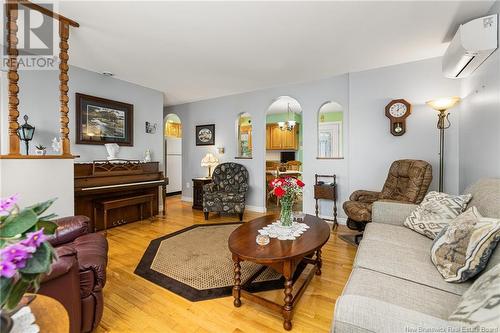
37 157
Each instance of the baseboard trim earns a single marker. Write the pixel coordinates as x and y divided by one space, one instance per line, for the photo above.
340 220
188 199
257 209
173 193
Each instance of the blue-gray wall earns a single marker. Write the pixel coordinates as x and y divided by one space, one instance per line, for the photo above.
39 99
369 148
480 121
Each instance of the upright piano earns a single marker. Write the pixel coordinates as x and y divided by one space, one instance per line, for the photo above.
102 180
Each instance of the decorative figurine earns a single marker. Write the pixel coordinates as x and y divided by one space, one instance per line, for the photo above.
56 145
112 149
147 155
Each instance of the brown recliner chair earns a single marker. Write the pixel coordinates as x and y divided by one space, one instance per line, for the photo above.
407 181
79 274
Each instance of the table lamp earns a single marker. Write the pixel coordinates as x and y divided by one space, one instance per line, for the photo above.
442 105
209 161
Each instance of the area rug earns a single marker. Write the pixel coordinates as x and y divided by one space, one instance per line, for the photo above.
196 264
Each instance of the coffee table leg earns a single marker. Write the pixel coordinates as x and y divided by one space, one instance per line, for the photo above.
237 282
288 307
319 262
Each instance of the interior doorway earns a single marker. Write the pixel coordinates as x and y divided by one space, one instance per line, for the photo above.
173 153
284 150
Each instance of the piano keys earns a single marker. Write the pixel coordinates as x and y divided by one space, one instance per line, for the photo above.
103 180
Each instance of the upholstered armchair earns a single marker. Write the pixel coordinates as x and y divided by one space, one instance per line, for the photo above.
78 275
227 192
407 182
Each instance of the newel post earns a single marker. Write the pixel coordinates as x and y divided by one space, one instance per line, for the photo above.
63 86
13 76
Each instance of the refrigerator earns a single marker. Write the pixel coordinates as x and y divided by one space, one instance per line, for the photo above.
174 164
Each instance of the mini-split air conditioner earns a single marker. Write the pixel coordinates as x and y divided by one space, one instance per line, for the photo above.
471 45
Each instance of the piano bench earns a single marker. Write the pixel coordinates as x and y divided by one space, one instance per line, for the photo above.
107 205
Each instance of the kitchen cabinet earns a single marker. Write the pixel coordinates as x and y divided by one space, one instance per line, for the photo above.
277 139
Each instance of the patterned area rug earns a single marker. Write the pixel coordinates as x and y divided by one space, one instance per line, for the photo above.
196 264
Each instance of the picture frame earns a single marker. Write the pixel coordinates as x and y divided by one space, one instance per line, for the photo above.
100 121
205 135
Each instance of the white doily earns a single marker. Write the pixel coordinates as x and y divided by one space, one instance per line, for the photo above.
276 230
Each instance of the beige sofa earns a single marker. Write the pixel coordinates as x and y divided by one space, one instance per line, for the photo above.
394 287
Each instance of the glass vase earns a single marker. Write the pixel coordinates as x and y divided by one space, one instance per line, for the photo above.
286 212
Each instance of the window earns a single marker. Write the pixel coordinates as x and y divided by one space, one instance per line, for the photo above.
244 135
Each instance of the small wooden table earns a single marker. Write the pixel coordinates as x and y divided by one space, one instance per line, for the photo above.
198 191
50 315
283 256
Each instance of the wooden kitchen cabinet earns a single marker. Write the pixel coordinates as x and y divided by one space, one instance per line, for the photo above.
276 139
174 130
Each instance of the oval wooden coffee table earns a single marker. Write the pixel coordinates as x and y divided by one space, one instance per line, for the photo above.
282 255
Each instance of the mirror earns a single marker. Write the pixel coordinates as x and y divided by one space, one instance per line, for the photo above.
330 123
244 128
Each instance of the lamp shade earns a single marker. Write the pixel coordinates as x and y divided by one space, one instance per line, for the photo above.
209 160
443 104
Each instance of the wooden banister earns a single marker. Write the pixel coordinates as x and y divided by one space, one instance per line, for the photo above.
11 7
13 77
63 86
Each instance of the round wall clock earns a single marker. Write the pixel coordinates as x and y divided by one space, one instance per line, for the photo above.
397 111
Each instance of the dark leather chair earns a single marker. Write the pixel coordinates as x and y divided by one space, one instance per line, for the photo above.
227 192
407 182
79 274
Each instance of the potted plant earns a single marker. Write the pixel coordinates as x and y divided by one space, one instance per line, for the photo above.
25 253
286 190
40 150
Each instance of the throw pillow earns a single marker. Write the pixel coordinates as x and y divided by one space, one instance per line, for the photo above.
435 212
479 307
463 247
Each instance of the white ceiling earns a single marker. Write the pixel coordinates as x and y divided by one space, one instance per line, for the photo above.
199 50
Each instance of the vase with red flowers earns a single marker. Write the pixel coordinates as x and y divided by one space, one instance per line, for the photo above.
286 190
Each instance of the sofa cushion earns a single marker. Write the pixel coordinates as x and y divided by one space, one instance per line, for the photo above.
486 196
435 212
361 314
397 235
479 308
400 292
463 248
405 263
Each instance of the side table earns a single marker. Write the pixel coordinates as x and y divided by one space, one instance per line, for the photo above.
198 191
326 192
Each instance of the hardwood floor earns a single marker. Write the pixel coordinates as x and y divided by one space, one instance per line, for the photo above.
133 304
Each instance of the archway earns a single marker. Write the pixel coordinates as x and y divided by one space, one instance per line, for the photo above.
284 151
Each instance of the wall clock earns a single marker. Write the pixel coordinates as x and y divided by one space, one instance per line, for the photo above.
397 111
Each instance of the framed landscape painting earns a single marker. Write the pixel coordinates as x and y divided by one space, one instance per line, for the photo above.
100 121
205 135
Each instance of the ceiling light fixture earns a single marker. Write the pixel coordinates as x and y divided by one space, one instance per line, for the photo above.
289 125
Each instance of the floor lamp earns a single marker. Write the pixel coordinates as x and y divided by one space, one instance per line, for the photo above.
442 105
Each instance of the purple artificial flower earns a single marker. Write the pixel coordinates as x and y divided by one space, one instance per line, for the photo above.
7 269
34 239
7 204
17 254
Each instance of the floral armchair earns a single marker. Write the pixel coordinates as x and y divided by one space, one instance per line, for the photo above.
227 192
